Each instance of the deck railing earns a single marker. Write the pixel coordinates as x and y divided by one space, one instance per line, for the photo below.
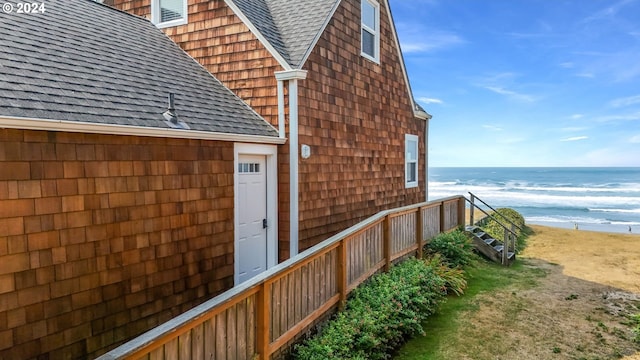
264 315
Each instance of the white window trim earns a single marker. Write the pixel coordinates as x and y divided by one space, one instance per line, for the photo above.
375 32
155 15
407 161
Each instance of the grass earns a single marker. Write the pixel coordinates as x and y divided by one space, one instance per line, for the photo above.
441 327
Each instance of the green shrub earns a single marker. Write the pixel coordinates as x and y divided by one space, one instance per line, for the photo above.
382 312
635 320
455 247
454 279
496 231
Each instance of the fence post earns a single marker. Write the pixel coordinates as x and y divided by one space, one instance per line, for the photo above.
443 222
263 305
471 209
342 274
386 242
461 211
505 246
419 233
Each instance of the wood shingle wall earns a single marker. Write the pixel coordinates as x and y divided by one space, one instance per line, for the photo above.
354 114
225 46
103 237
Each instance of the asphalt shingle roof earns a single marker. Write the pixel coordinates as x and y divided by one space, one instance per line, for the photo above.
289 26
86 62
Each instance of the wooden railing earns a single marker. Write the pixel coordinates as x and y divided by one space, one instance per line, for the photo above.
510 236
264 315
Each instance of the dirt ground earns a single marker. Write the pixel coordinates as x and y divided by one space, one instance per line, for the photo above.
577 310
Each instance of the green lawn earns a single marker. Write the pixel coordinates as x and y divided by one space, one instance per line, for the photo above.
441 327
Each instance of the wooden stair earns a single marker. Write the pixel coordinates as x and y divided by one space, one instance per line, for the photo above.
488 246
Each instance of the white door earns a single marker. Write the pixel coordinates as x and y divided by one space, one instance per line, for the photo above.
252 216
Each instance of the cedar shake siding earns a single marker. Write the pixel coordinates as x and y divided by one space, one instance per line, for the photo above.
354 114
225 46
103 237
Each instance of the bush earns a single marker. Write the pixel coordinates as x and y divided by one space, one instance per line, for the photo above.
635 323
382 312
496 231
454 281
455 247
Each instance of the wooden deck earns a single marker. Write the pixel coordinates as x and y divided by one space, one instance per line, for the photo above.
265 315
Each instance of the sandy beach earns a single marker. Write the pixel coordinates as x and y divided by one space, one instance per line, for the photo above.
592 284
589 284
605 258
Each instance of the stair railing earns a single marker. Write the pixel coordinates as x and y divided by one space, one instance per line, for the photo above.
510 234
474 197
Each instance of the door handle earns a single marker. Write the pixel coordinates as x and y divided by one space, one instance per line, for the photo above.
264 223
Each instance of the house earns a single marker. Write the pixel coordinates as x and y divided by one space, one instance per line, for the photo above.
330 75
123 167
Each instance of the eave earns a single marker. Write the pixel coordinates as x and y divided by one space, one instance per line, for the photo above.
112 129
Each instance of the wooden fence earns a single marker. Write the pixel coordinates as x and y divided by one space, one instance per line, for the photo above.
267 313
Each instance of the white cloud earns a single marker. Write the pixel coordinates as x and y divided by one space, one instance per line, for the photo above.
609 12
415 37
567 65
418 42
511 94
575 138
428 100
614 66
508 141
621 117
492 127
573 129
576 116
635 139
626 101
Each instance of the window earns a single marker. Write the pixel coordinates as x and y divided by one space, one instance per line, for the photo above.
249 168
370 14
411 160
165 13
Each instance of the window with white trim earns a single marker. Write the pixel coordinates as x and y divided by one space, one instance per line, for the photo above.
165 13
410 160
370 38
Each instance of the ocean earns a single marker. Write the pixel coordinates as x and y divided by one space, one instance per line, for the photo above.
597 199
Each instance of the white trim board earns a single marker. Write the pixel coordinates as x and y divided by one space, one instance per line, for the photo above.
111 129
271 153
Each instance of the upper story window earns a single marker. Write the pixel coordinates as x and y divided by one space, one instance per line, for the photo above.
411 160
370 42
165 13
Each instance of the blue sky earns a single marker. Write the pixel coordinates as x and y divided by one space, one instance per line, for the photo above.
526 82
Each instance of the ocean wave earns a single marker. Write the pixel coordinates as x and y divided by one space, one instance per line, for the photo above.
625 211
502 198
578 220
608 198
452 186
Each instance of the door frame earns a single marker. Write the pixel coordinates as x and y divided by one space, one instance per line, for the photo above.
271 160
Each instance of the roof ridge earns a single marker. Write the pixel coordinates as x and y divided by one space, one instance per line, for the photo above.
290 27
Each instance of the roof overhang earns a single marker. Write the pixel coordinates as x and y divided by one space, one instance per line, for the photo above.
110 129
422 115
